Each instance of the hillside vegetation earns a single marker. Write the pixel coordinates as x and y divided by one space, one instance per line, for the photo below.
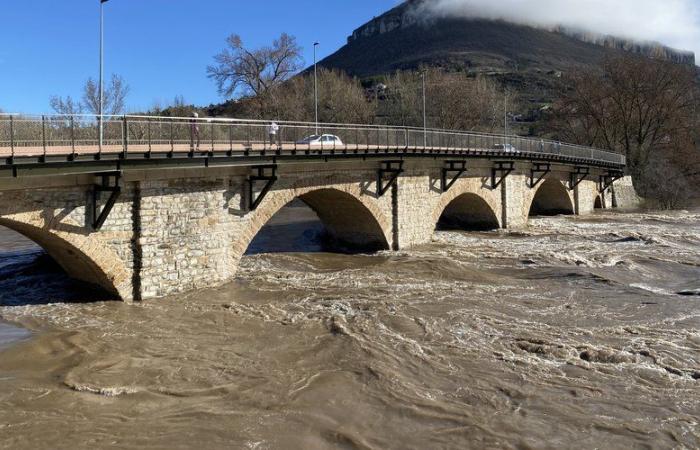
639 100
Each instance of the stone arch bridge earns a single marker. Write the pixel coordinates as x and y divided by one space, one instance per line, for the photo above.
160 206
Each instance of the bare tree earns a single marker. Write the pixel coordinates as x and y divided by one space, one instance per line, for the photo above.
646 110
453 101
114 97
664 185
66 106
341 99
238 70
402 100
631 105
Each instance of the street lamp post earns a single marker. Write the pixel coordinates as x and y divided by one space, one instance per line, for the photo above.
102 99
315 88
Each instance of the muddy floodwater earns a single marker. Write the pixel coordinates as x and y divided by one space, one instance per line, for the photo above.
576 333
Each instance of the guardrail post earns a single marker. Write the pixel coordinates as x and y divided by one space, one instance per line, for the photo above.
125 137
230 138
148 127
43 134
101 143
12 138
100 134
211 130
172 138
72 137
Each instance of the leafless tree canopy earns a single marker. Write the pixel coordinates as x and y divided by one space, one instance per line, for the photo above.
453 101
631 105
238 70
115 93
66 106
341 99
641 108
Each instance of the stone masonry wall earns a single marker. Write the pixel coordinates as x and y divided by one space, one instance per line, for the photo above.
624 194
356 180
173 231
184 237
421 202
57 219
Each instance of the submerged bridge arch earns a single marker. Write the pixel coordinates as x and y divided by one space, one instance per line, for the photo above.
352 217
552 197
468 206
83 257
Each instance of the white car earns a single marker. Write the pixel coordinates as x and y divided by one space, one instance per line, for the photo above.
321 141
505 147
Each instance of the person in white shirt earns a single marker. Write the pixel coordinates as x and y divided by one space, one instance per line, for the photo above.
272 130
194 132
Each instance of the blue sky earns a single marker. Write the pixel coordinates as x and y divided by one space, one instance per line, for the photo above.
161 47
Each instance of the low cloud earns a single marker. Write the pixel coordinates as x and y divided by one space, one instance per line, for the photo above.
672 22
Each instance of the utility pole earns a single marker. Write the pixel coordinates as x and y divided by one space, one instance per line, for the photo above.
316 88
102 95
425 114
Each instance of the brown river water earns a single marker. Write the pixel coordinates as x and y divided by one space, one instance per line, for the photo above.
576 333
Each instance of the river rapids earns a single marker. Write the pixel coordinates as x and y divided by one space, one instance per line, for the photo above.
579 332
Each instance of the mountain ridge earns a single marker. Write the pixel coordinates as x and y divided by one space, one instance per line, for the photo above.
401 40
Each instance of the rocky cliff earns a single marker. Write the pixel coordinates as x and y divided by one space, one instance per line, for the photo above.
404 17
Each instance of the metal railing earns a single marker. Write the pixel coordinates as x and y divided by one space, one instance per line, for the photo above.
28 135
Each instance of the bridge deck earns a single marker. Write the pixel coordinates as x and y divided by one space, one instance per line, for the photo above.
27 141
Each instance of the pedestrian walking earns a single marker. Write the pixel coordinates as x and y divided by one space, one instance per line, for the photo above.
194 132
273 130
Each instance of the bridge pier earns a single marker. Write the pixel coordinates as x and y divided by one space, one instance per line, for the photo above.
181 234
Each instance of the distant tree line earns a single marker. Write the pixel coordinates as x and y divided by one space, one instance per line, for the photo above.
642 108
645 109
266 85
453 101
114 97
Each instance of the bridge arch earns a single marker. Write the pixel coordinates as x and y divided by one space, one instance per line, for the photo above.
353 220
551 198
468 206
598 202
466 211
81 256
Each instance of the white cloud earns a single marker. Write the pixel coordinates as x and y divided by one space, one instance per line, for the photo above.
672 22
